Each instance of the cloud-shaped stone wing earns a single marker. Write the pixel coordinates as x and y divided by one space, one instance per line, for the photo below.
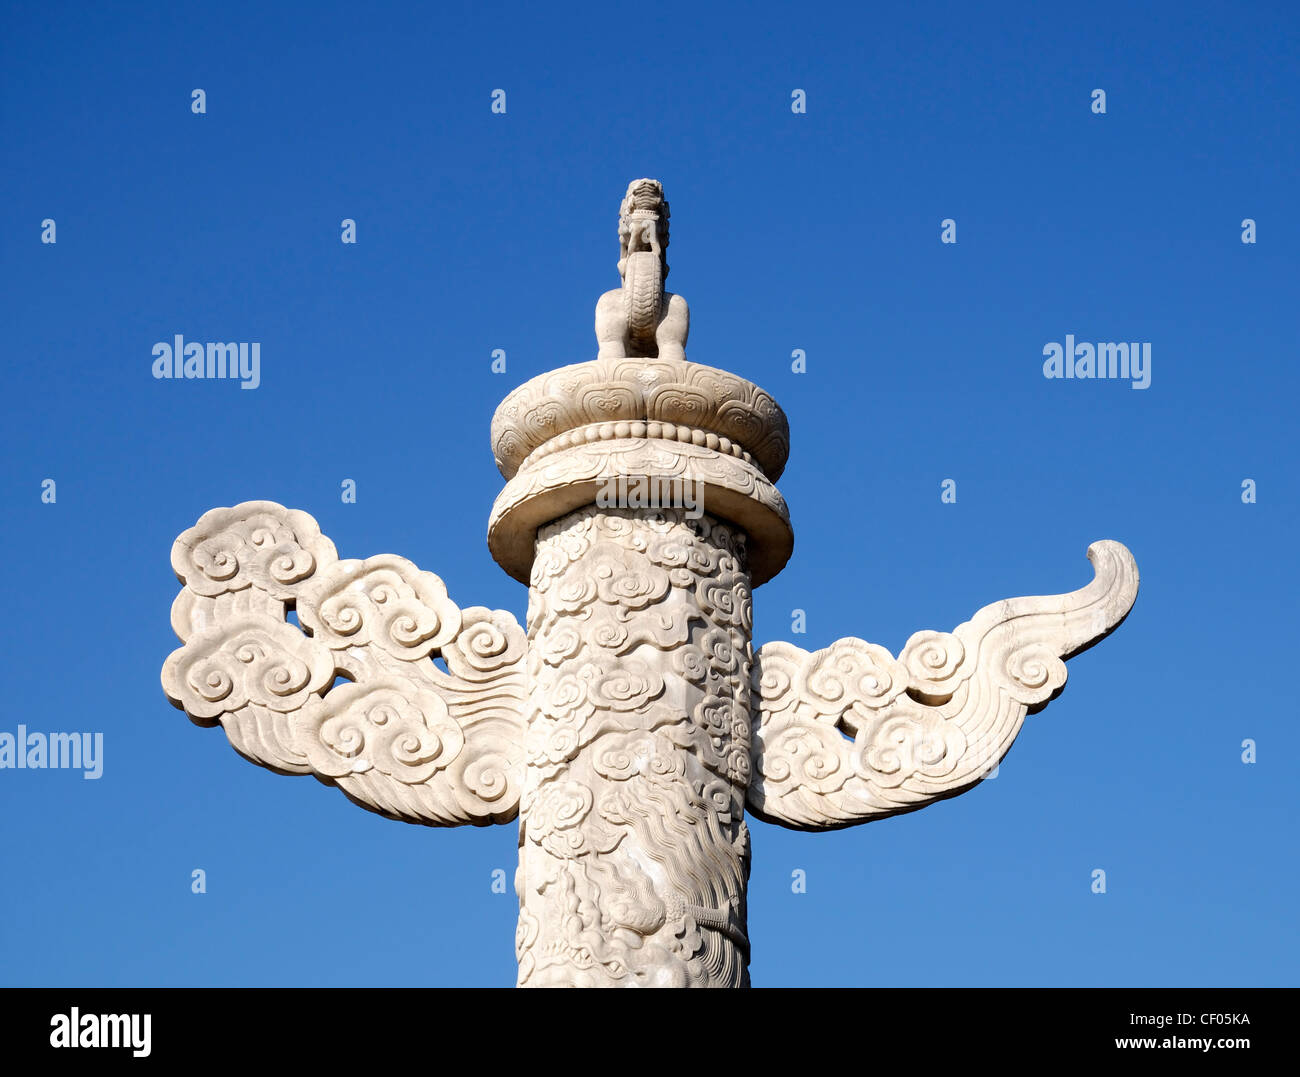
849 734
405 738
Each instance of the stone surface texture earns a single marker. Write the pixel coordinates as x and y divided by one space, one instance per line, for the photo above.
633 850
633 725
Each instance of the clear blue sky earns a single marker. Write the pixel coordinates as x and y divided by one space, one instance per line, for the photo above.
818 231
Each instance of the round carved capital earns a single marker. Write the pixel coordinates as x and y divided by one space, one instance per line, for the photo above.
668 399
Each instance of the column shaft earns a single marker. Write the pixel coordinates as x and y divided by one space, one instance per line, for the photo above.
633 850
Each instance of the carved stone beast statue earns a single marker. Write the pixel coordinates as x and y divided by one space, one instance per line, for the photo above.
641 319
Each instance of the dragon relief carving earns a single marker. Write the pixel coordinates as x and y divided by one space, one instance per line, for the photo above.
633 851
641 319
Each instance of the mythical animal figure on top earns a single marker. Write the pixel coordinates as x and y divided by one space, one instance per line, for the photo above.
641 319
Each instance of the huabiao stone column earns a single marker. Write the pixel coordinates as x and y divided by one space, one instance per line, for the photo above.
634 853
632 727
